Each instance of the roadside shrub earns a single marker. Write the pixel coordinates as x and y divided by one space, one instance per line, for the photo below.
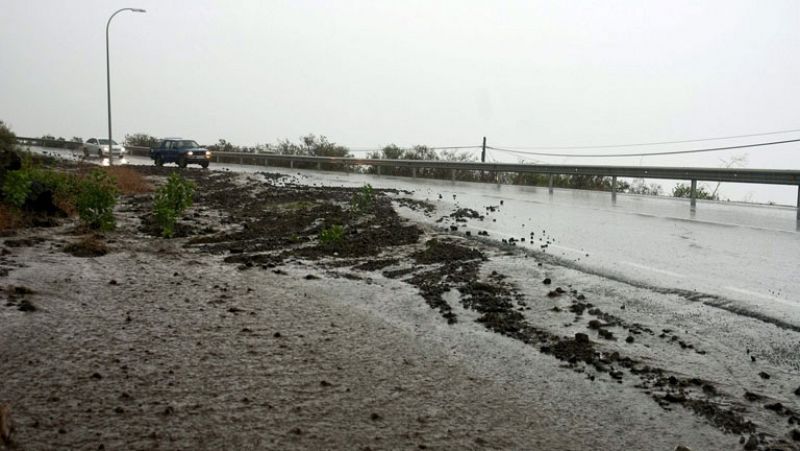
170 202
17 187
363 199
8 139
331 235
97 195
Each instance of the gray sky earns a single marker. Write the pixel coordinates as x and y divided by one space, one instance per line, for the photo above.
369 73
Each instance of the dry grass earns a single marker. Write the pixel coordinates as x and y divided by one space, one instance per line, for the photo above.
128 180
10 217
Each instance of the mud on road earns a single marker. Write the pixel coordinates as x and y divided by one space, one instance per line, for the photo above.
226 336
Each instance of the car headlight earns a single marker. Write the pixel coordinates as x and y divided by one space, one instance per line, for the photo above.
190 153
208 154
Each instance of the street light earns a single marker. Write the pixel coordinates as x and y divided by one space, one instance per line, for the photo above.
108 81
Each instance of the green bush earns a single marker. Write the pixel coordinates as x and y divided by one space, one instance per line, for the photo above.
363 199
331 235
96 197
170 202
17 187
8 139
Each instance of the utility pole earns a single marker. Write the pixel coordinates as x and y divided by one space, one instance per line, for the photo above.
108 84
483 157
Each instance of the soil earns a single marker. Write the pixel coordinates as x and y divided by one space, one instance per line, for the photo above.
211 339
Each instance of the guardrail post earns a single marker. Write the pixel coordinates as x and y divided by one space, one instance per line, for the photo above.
453 175
414 172
319 166
798 203
693 194
378 170
614 188
550 184
291 164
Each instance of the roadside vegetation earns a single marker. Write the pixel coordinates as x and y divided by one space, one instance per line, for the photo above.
170 201
34 190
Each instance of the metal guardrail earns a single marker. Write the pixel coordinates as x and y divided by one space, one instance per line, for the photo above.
757 176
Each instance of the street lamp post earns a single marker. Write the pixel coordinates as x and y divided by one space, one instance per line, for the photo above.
108 81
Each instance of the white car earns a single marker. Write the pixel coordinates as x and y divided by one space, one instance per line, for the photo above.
98 147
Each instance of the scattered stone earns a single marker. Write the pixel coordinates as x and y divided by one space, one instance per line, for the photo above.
97 376
547 281
311 277
795 434
629 339
112 282
277 335
26 306
775 407
606 334
119 409
325 383
752 443
764 375
682 448
581 338
375 417
752 396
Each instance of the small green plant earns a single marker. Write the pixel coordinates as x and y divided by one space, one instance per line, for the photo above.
17 187
332 235
363 199
96 197
171 200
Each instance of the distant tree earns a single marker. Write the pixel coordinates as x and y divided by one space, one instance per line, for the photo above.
77 139
639 186
684 190
223 146
7 138
141 140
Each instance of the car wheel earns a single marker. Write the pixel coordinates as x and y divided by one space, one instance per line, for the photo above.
100 153
85 152
159 161
182 162
204 164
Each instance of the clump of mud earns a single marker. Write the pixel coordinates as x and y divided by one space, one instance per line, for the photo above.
87 246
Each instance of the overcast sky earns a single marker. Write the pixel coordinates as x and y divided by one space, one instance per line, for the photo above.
369 73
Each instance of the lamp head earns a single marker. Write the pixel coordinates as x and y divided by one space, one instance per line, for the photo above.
138 10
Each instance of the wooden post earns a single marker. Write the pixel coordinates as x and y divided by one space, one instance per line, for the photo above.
291 164
550 184
453 175
414 172
614 188
319 166
693 195
378 170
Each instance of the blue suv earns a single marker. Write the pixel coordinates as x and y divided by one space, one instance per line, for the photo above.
180 151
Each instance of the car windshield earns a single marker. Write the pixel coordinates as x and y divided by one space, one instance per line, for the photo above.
186 144
105 142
